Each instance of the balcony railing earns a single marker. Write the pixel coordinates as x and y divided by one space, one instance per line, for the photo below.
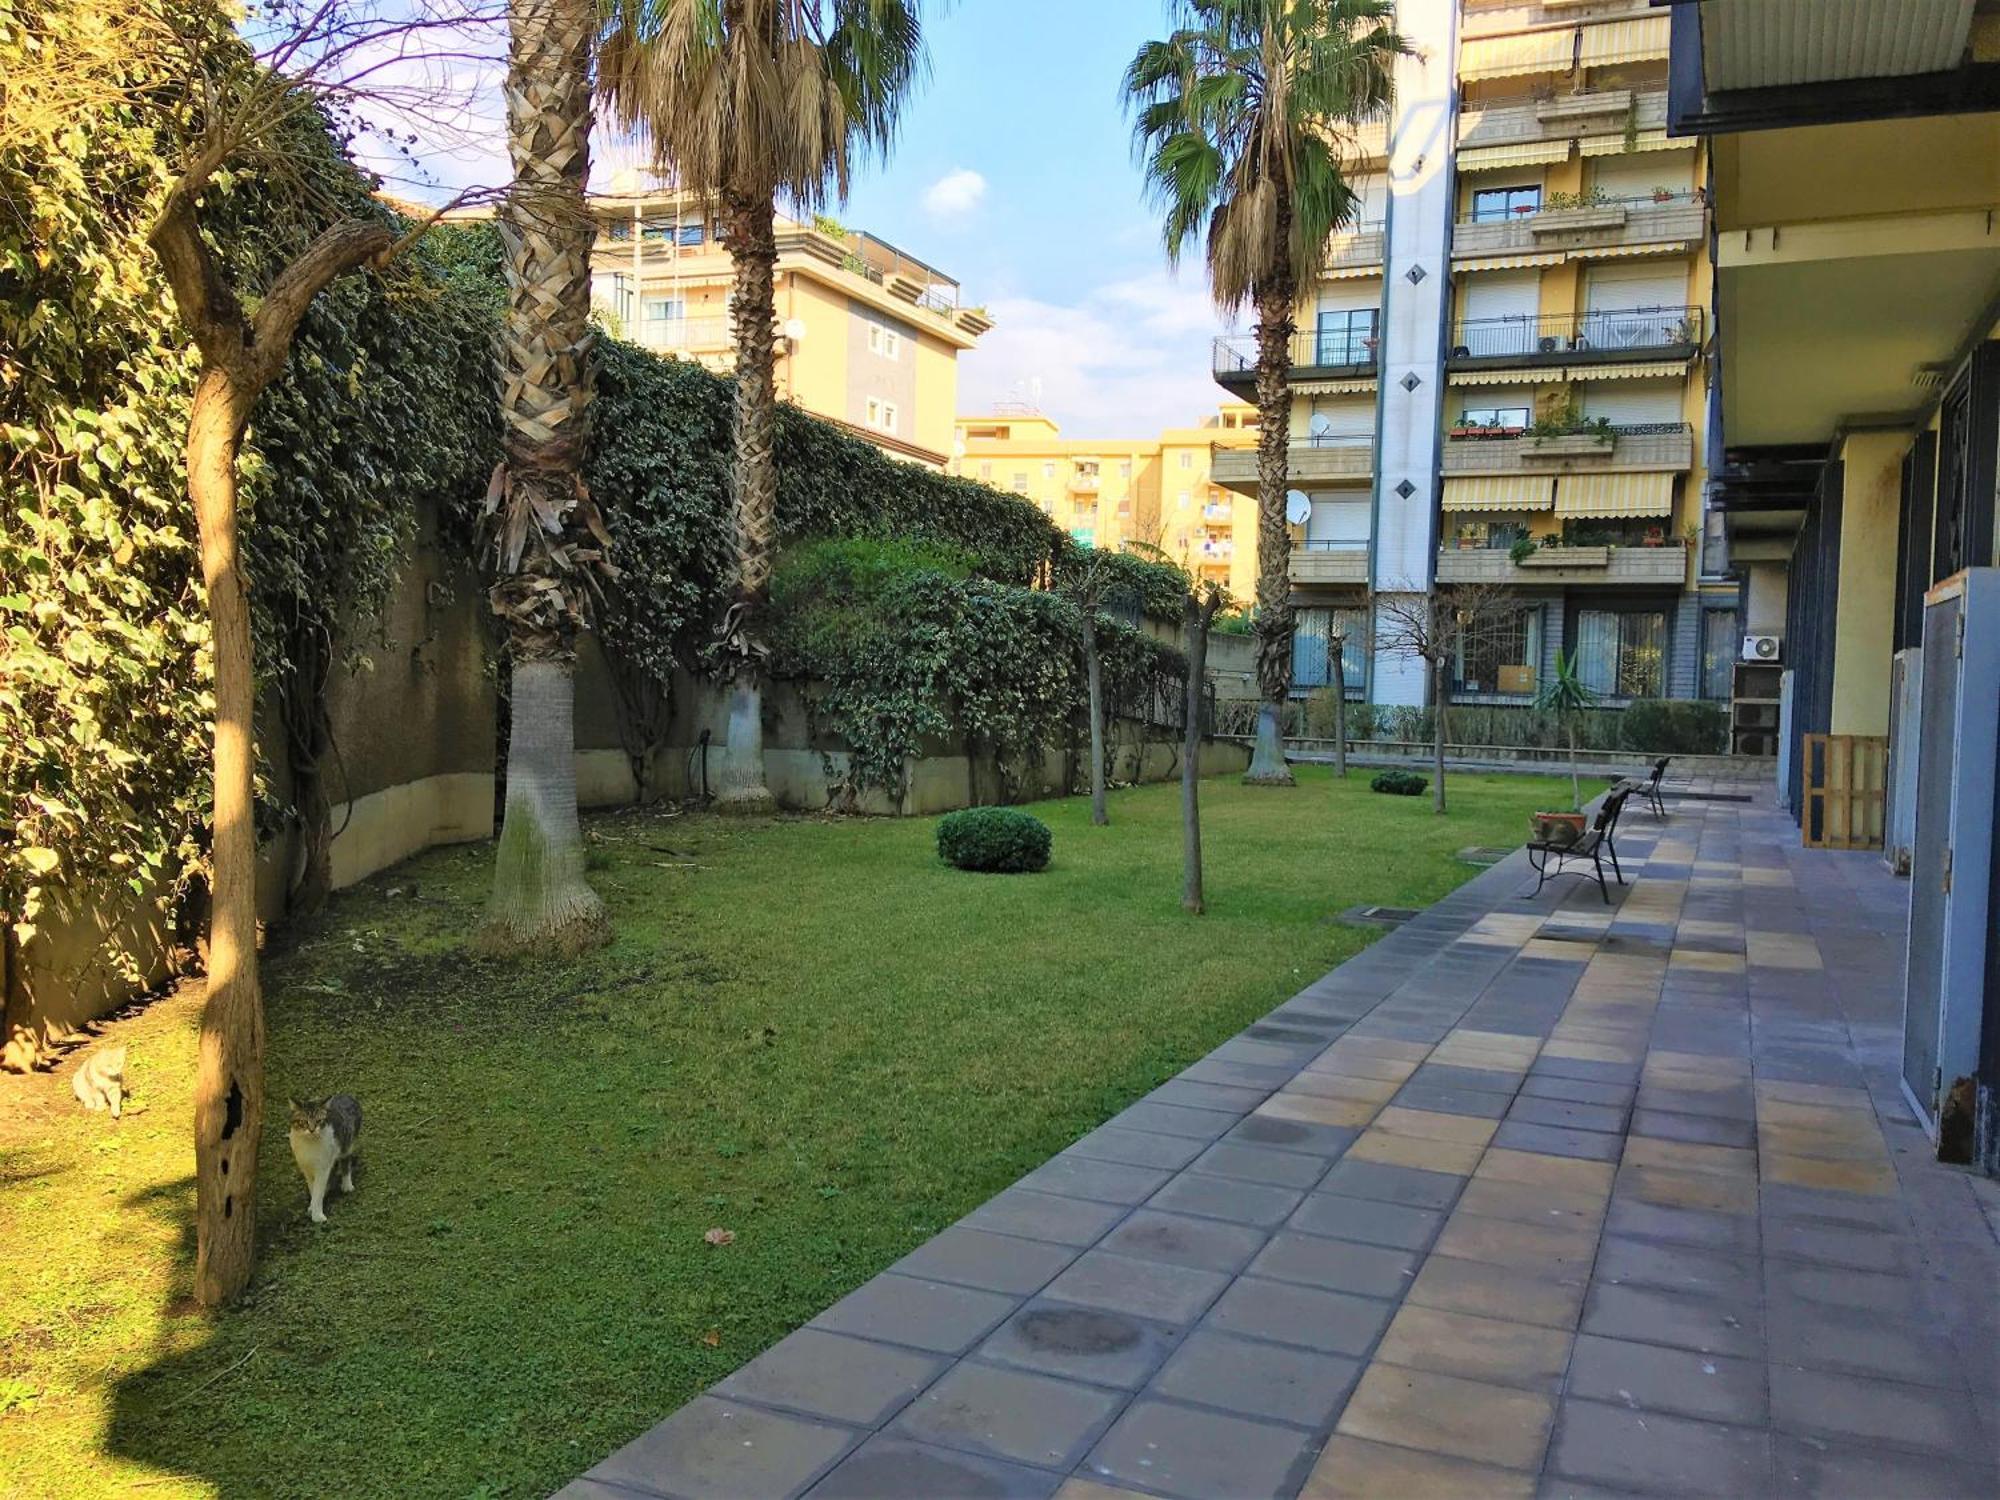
1313 460
1564 116
1634 446
1084 481
705 334
1610 334
1329 562
1220 515
1651 220
1487 17
1620 566
1343 344
1357 245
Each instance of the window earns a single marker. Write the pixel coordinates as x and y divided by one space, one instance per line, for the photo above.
1187 460
1497 205
1048 471
884 341
1622 653
882 415
1083 536
986 470
1187 497
665 309
1495 416
1312 648
691 234
1346 338
1125 469
1020 483
1718 653
1501 657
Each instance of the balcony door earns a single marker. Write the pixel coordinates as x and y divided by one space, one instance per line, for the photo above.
1339 521
1500 313
1345 331
1635 307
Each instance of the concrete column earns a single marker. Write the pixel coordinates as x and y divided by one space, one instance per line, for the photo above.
1864 622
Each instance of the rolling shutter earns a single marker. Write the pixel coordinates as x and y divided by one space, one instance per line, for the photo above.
1626 404
1500 312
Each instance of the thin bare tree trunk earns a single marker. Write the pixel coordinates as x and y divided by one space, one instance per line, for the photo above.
753 252
1339 647
1276 298
1094 681
1439 694
229 1082
1575 785
1197 617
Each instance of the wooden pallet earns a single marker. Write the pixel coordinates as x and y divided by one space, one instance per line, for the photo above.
1846 791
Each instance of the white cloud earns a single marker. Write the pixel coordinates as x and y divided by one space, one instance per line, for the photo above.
1123 361
955 195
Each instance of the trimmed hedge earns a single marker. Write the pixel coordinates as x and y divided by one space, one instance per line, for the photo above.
994 840
1399 783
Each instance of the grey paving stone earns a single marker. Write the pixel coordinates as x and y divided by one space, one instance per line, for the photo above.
1550 1140
829 1375
1782 1200
895 1468
921 1314
1145 1288
1010 1414
1138 1148
1100 1181
1228 1097
1818 1335
1704 1130
1324 1141
1226 1198
1292 1169
1725 1104
1836 1245
991 1262
1396 1225
712 1449
1257 1379
1331 1322
1410 1186
1590 1071
1197 1455
1183 1241
1337 1265
1679 1268
1447 1100
1814 1469
1830 1404
1707 1324
1243 1075
1710 1386
1175 1119
1683 1226
1623 1449
1041 1216
1865 1291
1477 1080
1567 1113
1082 1343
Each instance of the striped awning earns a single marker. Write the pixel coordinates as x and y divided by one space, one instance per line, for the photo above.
1335 387
1606 44
1600 495
1521 154
1351 273
1513 56
1497 377
1500 492
1507 262
1629 252
1658 370
1645 140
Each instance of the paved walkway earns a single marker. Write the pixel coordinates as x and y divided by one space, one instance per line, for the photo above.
1531 1197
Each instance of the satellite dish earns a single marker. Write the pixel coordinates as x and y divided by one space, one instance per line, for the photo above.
1321 425
1298 507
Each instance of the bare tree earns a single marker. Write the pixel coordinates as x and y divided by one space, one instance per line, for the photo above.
1197 614
1433 628
1085 586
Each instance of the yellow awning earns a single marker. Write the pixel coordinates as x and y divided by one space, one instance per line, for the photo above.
1602 495
1658 370
1627 252
1500 492
1512 56
1335 387
1645 140
1522 154
1507 262
1351 273
1498 377
1609 43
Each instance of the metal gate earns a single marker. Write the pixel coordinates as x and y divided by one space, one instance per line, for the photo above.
1923 979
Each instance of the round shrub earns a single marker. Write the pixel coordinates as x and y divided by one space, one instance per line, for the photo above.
1001 840
1399 783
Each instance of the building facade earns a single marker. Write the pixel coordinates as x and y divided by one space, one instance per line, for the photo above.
1502 367
1161 491
869 336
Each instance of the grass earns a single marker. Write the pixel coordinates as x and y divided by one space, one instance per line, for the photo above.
809 1032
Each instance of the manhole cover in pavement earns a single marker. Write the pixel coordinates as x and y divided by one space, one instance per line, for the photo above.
1376 916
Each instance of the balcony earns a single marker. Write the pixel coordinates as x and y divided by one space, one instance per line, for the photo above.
1488 17
1356 246
1217 514
686 335
1319 460
1084 482
1606 337
1600 223
1343 346
1571 115
1617 567
1633 447
1369 141
1330 562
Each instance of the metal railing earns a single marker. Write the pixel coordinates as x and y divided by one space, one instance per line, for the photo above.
684 333
1348 545
1652 218
1345 341
1607 334
1561 116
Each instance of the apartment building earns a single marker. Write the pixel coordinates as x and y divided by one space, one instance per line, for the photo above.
1159 492
869 335
1503 364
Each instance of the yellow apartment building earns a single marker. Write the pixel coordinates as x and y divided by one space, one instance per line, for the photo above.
1116 493
869 335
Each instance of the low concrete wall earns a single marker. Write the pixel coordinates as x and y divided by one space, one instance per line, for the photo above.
1539 761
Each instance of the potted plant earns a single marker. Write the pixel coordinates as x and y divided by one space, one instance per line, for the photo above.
1656 536
1522 549
1566 695
1663 195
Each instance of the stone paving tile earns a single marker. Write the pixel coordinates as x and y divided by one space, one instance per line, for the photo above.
1183 1241
1680 1381
1148 1289
712 1449
1081 1343
1258 1379
1623 1450
1226 1198
1010 1414
920 1314
1497 1292
1323 1141
1829 1404
1137 1148
1353 1468
832 1376
893 1468
1290 1169
1194 1454
992 1262
1337 1265
1039 1216
1811 1468
1489 1349
1284 1313
1679 1268
1367 1221
1385 1184
1444 1414
1069 1176
1710 1325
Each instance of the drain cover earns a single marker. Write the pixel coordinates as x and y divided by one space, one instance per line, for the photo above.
1377 916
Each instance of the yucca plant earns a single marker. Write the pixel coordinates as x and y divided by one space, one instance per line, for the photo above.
1568 697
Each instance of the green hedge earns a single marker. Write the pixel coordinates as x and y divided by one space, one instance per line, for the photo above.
994 840
1398 783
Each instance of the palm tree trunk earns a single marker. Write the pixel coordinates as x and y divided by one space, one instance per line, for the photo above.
229 1082
1094 681
753 252
1339 647
1275 298
1198 617
540 900
1440 692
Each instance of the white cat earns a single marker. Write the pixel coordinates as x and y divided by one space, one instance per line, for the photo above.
100 1080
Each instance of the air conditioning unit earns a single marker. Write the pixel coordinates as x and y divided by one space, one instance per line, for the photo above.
1762 647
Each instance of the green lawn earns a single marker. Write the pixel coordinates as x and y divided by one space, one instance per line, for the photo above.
808 1032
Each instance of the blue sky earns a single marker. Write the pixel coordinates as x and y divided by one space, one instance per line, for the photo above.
1014 173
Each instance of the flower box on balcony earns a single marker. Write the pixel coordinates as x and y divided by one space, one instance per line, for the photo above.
1573 220
1571 445
1582 106
1475 433
1568 557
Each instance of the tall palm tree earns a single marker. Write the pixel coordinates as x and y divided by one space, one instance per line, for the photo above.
747 100
547 542
1241 117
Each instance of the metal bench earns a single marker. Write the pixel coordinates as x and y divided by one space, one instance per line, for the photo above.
1548 859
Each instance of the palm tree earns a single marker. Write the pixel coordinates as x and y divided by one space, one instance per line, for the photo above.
1240 119
747 100
547 542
